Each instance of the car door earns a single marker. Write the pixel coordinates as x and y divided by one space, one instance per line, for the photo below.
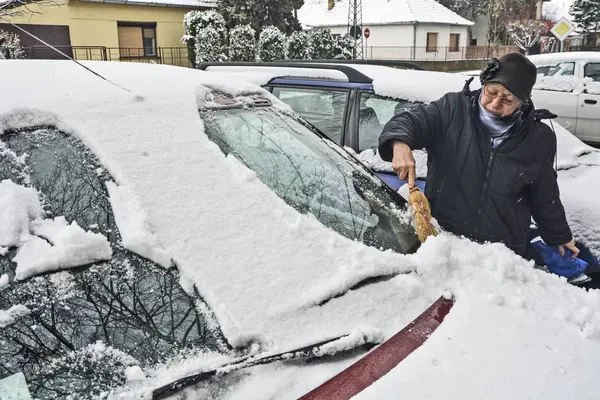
560 102
588 118
374 112
325 108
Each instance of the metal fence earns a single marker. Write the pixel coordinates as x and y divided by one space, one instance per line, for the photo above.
439 53
177 56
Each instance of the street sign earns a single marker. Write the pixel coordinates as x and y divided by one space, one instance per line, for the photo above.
355 31
562 29
367 33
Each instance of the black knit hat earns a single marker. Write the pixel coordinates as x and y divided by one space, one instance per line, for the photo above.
514 71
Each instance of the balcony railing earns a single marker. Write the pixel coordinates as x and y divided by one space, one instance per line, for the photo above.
161 55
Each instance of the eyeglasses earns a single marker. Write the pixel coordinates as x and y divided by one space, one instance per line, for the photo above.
492 95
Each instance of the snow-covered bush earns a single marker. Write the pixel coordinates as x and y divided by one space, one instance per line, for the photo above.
343 47
10 46
242 43
321 44
298 47
271 44
194 22
209 46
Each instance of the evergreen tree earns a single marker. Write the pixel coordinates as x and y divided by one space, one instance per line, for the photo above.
298 47
193 22
271 45
261 13
242 43
321 44
586 15
10 46
343 47
208 46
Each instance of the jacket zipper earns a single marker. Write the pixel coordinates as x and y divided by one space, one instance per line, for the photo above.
486 179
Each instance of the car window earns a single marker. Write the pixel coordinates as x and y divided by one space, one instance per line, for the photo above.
324 108
312 176
375 111
562 69
592 70
85 326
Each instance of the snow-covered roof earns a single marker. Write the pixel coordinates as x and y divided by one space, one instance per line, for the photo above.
414 85
554 58
163 3
379 12
262 266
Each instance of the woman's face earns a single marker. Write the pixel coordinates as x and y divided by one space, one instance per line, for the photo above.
498 100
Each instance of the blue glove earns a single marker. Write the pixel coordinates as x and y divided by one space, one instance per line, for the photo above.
557 264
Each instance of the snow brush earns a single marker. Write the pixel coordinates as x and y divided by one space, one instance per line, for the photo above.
422 214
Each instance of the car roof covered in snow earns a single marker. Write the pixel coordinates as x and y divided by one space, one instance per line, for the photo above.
265 269
413 85
541 60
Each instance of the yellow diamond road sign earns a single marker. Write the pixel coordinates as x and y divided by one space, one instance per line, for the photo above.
562 29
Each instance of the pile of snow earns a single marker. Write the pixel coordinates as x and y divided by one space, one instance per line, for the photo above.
59 245
131 220
18 207
8 317
567 84
270 274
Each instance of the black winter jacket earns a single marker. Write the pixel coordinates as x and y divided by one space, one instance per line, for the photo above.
482 193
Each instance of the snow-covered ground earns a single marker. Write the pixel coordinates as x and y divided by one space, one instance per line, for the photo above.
263 268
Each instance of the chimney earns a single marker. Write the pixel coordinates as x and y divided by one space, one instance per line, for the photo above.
330 4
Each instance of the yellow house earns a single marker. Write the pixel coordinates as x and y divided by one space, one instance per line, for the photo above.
138 30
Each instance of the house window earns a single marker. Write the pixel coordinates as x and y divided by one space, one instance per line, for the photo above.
137 39
432 41
454 42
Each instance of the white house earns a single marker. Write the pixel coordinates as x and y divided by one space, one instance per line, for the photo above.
399 29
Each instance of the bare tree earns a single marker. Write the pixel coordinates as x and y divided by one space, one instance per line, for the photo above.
11 8
525 33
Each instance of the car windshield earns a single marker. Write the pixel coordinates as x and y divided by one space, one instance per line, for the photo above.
73 333
312 175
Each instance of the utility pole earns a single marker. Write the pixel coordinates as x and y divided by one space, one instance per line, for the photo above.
355 27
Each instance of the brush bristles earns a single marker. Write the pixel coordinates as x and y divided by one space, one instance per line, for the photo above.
422 213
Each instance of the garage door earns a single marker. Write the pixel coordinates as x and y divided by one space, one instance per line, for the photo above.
56 35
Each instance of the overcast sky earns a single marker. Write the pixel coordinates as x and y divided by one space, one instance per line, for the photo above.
558 8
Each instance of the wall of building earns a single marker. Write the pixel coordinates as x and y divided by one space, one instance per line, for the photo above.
384 35
95 24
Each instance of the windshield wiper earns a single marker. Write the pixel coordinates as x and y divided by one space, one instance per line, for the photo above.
321 349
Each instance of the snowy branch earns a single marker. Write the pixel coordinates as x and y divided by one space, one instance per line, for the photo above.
525 33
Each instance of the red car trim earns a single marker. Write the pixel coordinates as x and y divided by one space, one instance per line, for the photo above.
383 358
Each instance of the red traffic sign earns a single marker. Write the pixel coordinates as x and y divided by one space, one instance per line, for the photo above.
367 33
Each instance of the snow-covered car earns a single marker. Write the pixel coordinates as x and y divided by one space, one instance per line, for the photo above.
156 232
580 64
569 86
